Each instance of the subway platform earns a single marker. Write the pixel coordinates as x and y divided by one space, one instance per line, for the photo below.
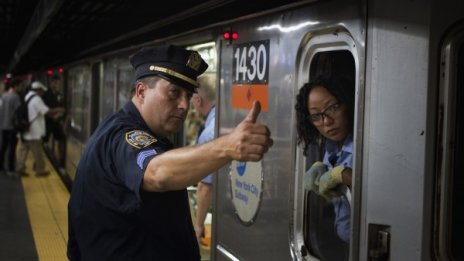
33 216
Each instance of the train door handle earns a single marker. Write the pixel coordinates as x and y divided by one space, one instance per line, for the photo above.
379 242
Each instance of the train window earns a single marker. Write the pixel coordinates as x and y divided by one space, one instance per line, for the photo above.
109 89
326 79
327 221
79 82
97 74
126 79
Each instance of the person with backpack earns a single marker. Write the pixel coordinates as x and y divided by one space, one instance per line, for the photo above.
11 101
32 137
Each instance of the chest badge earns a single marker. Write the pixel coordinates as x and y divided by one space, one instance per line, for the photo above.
139 139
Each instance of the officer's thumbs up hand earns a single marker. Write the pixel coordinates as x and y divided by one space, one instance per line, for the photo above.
250 140
253 113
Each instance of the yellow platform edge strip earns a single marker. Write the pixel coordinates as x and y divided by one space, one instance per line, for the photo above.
46 200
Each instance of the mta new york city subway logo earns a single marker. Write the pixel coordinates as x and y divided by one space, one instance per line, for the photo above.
241 167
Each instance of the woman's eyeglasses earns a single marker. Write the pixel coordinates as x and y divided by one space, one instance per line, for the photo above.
318 118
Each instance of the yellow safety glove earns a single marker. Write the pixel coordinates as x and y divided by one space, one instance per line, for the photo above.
330 183
312 175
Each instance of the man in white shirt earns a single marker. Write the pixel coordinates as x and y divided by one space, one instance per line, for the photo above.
32 139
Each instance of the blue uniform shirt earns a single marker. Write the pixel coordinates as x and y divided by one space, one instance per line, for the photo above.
110 216
341 204
207 135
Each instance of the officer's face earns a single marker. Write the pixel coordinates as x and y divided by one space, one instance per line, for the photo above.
165 107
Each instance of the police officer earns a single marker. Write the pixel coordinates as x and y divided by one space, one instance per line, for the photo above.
129 198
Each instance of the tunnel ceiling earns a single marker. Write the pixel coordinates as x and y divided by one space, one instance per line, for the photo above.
46 33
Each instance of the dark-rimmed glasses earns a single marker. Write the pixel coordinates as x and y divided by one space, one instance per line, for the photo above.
318 118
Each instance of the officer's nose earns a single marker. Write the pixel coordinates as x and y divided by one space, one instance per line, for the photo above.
184 101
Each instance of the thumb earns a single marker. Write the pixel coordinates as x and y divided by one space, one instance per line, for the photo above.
254 112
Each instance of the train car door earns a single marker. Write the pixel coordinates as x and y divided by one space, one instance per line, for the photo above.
325 228
193 125
118 80
448 178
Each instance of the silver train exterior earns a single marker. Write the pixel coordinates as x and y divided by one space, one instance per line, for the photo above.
407 60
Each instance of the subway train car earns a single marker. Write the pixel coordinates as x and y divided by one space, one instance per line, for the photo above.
406 62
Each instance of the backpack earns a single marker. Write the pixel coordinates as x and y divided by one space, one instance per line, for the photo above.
21 117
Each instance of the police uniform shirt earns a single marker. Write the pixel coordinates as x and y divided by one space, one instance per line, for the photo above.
334 157
110 216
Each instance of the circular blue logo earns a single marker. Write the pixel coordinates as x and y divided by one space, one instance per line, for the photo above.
241 166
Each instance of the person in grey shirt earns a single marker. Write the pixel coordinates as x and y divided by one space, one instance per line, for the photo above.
10 102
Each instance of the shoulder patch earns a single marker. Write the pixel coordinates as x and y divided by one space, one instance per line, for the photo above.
139 139
143 155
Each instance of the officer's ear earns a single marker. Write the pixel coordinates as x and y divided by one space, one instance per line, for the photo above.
140 89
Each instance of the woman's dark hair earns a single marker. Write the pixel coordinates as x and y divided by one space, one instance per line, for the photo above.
340 88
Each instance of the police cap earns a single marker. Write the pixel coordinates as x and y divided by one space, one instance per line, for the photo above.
170 62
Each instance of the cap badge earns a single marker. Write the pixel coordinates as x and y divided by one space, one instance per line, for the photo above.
139 139
194 61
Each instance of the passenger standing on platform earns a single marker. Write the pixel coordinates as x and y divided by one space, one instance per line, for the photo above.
10 102
53 98
325 107
129 199
32 138
204 102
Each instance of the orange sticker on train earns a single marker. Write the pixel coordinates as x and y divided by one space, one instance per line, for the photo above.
244 95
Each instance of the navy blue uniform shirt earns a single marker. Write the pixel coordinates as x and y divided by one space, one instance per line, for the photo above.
110 216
